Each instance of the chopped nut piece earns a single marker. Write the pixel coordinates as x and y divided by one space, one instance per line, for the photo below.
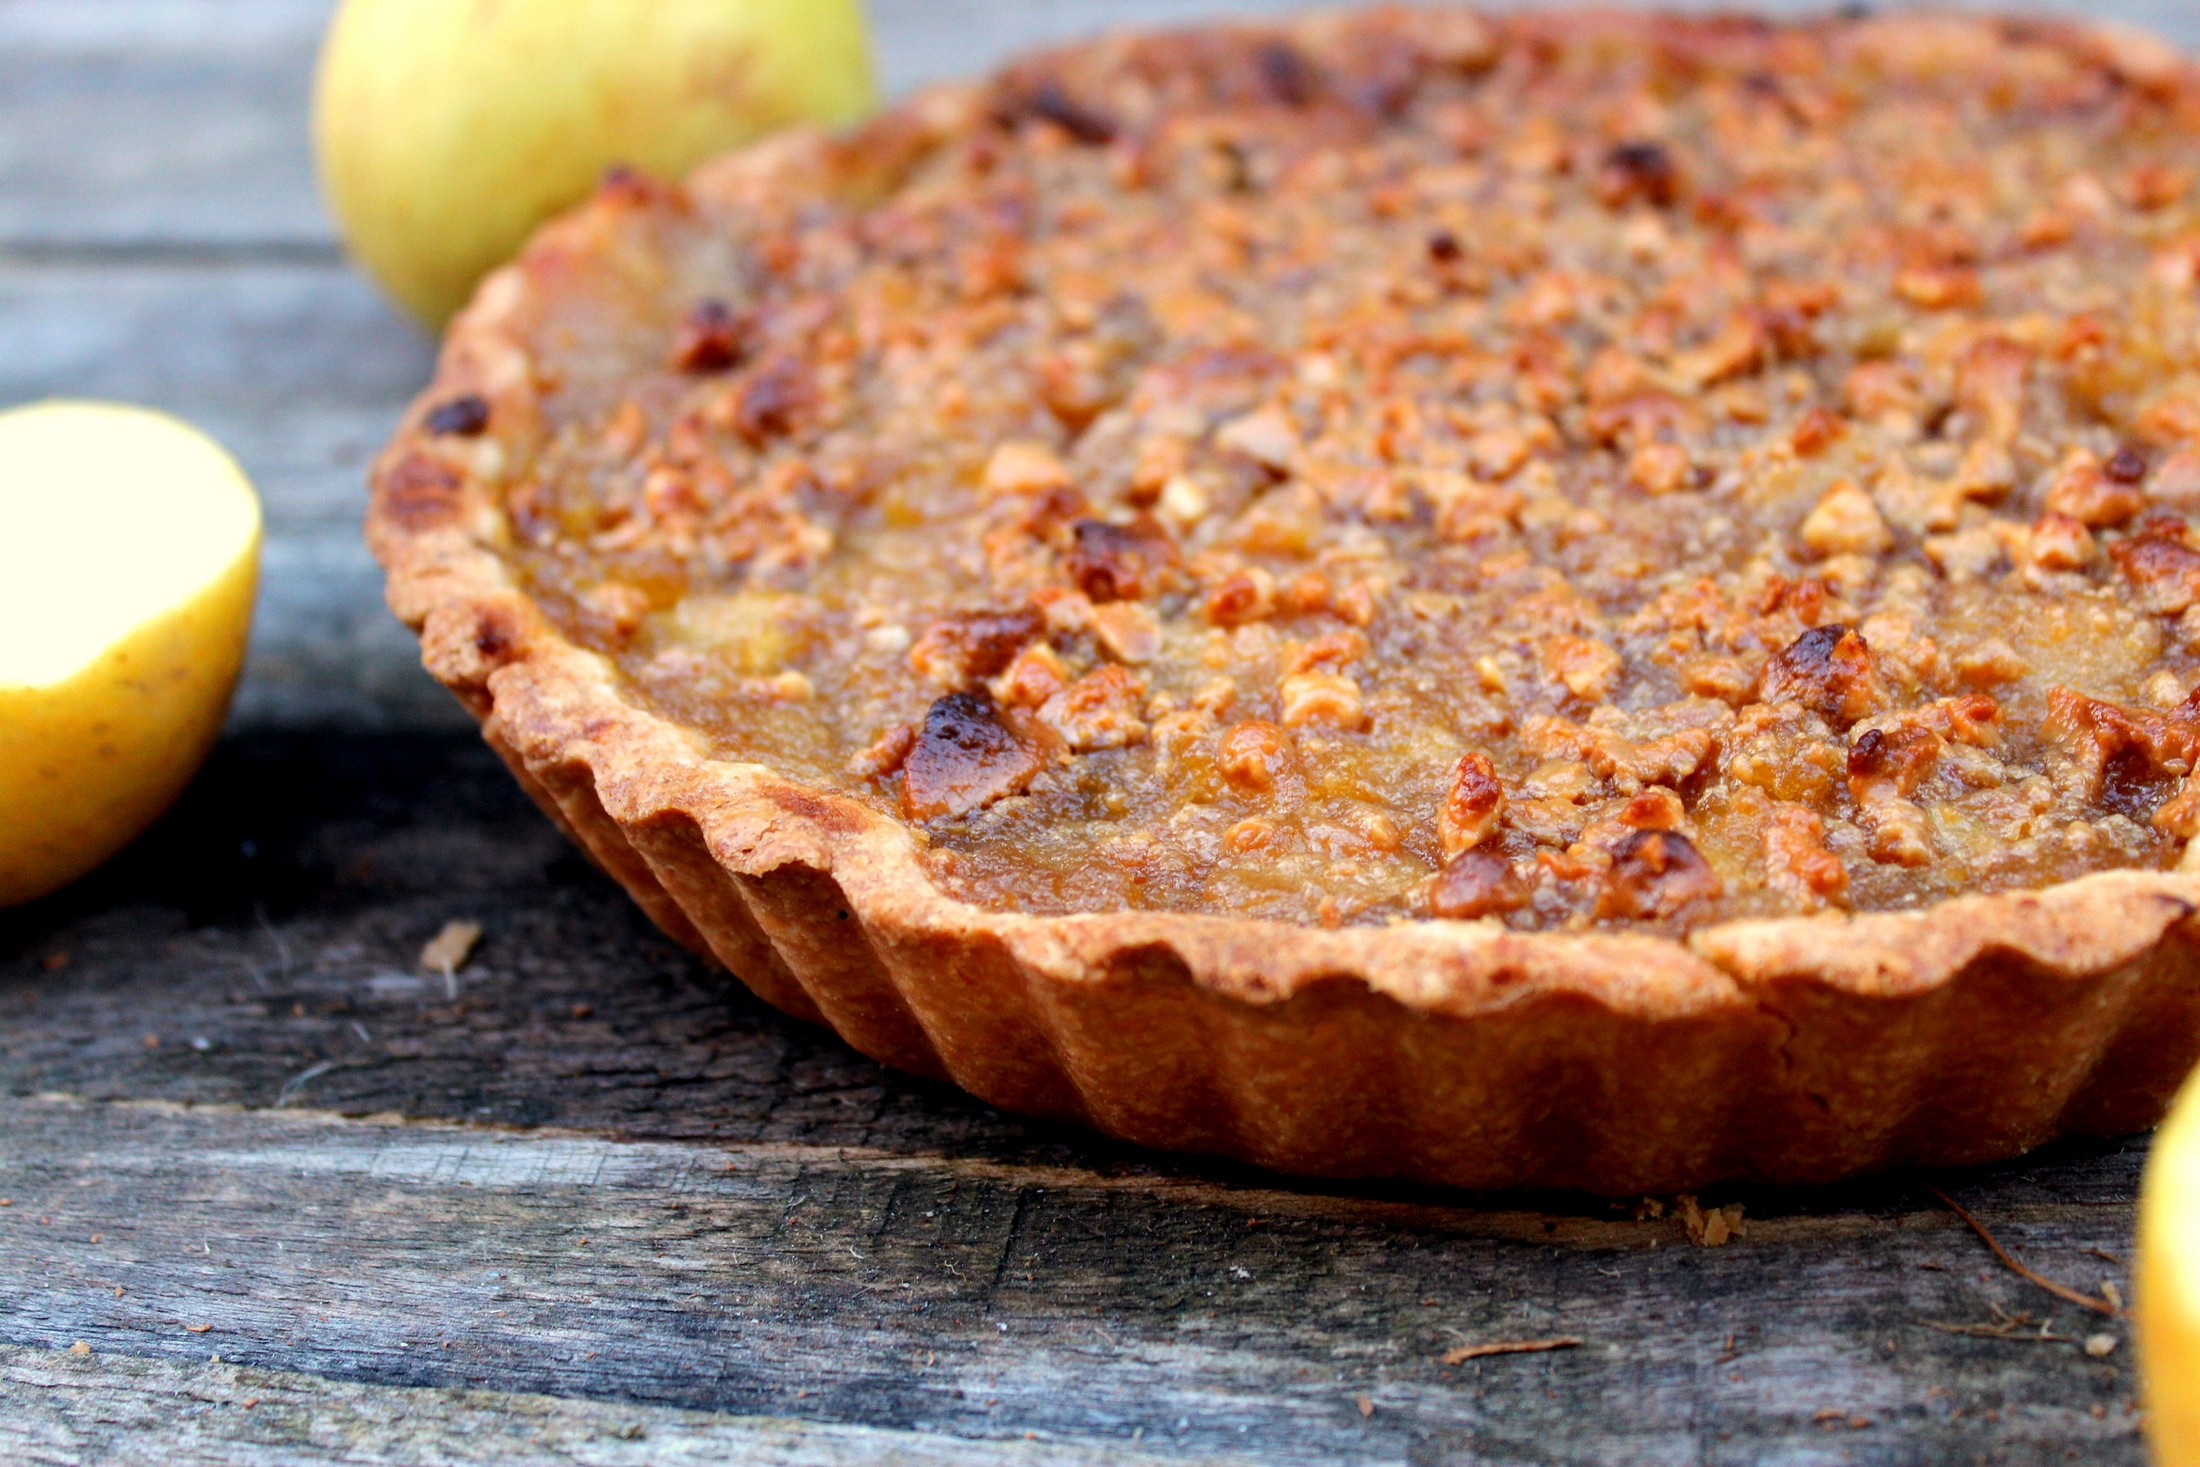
1939 287
1182 501
1668 760
1896 762
1322 697
1587 667
1036 675
1654 874
1336 650
1990 664
1797 862
1098 711
1253 755
1498 452
2084 492
1474 804
2172 419
1111 562
1739 348
1990 387
1024 468
1243 596
1476 884
964 648
1817 431
1266 437
1830 671
1846 522
2057 542
1128 631
1659 468
2127 465
2176 484
883 755
2161 564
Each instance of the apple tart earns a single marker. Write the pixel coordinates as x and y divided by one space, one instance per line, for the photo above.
1548 599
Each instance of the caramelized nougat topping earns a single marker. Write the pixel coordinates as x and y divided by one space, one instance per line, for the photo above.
1544 470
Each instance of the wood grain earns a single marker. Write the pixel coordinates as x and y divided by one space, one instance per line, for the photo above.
240 1082
63 1409
988 1300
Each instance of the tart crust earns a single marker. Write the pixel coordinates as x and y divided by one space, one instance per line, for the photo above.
1797 1049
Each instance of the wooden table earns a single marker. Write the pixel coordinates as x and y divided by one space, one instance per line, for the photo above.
272 1195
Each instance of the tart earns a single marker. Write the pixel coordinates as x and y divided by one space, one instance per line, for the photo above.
1571 600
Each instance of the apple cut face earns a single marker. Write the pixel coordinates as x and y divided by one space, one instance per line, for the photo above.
129 556
110 518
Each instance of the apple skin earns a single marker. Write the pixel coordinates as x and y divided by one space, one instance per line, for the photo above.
447 130
93 756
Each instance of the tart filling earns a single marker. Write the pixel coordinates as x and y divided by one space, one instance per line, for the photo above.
1429 466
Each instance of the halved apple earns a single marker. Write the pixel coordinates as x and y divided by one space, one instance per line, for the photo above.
129 554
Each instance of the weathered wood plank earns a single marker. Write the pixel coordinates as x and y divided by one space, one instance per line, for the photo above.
987 1302
768 1213
59 1409
137 124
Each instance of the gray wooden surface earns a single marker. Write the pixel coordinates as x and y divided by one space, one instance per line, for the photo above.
591 1203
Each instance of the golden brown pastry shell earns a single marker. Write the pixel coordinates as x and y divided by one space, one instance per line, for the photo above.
1801 1049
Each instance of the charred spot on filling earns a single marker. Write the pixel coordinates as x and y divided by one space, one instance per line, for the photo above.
2127 465
1900 760
1828 670
1654 874
965 757
2132 785
710 338
1286 75
774 401
1444 247
1641 171
1111 562
1050 103
465 416
1476 884
2159 561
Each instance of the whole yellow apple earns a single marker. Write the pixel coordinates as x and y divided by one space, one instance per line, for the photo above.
128 560
448 129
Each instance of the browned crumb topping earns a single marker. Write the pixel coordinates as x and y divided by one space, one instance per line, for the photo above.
1542 469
